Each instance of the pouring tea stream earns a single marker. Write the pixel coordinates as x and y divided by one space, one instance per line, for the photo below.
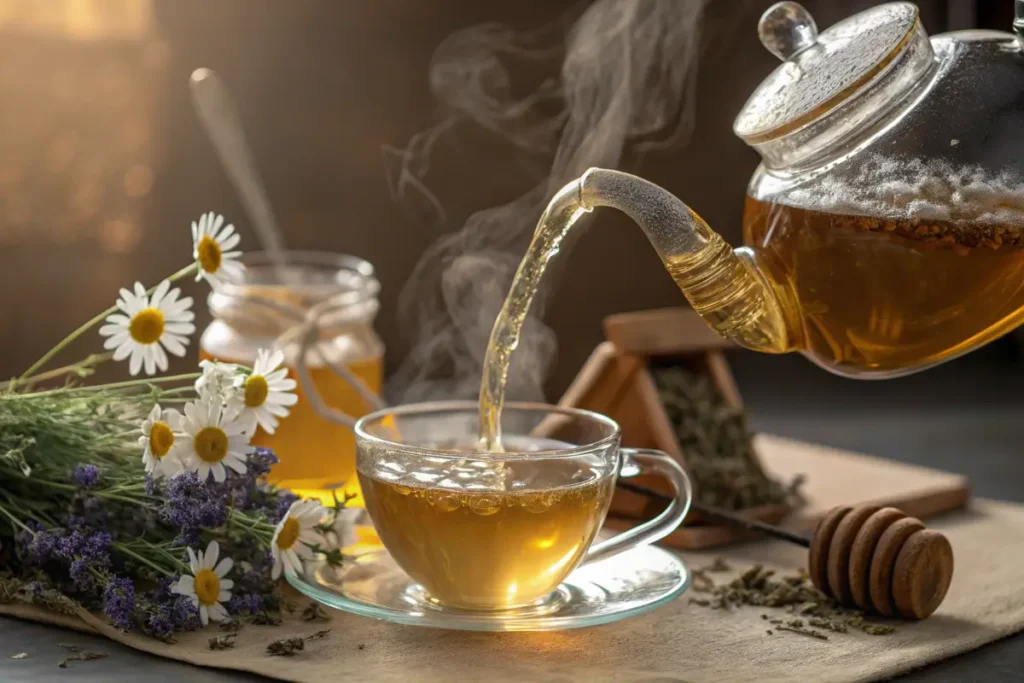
883 231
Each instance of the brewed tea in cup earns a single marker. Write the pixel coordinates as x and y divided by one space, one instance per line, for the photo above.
500 530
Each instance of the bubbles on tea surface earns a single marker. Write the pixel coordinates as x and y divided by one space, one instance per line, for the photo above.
484 505
913 188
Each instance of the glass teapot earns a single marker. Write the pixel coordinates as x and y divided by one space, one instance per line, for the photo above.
884 227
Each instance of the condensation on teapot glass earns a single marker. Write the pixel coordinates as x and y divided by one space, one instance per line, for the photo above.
892 210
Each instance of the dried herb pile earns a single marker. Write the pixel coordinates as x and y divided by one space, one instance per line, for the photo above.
717 443
811 613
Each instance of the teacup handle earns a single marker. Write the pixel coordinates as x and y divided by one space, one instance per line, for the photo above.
634 461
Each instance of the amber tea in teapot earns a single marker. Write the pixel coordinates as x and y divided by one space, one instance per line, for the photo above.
884 227
884 293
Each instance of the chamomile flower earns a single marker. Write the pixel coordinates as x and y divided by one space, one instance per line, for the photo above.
148 325
207 587
158 440
211 441
265 394
342 533
211 247
217 380
294 535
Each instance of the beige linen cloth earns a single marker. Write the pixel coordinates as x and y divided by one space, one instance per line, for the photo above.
679 642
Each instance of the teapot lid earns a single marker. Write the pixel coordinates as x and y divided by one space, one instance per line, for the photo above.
821 70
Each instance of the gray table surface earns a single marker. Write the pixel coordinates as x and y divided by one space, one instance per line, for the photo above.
966 417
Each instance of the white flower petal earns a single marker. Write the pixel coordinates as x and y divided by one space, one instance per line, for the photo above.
118 319
204 615
160 357
226 584
219 474
116 341
193 561
236 464
211 555
229 241
159 293
186 585
135 364
149 359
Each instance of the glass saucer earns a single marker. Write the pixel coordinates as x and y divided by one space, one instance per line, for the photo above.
625 585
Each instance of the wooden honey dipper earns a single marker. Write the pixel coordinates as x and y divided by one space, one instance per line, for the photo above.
876 559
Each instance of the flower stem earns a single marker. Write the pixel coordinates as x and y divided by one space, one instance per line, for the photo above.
115 385
121 548
15 520
90 361
63 343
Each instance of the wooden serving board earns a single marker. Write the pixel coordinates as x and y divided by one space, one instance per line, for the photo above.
834 477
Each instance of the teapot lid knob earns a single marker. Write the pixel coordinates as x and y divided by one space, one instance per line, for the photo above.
786 29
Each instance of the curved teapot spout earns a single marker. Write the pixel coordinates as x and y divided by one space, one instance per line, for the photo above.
725 287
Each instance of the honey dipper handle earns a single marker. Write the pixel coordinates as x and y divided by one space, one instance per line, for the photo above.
727 516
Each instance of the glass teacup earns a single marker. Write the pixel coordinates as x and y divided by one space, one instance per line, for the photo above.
494 531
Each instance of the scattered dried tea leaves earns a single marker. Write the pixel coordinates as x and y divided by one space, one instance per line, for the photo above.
224 642
803 631
288 647
232 625
759 587
314 612
719 565
264 619
78 654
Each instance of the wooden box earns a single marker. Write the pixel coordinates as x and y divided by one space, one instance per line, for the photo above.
616 381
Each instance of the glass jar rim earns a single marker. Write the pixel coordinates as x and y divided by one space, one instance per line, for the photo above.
361 289
472 408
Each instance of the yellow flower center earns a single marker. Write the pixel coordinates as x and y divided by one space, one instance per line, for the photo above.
147 325
289 534
207 586
209 254
211 444
256 390
161 438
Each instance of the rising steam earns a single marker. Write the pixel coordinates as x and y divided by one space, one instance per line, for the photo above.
627 77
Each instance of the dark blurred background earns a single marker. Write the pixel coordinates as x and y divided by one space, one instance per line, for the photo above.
103 163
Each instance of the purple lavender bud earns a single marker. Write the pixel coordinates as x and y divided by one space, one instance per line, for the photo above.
150 485
184 614
159 624
70 545
74 522
43 548
260 461
86 476
246 603
193 506
284 501
119 602
36 588
79 572
24 539
97 548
